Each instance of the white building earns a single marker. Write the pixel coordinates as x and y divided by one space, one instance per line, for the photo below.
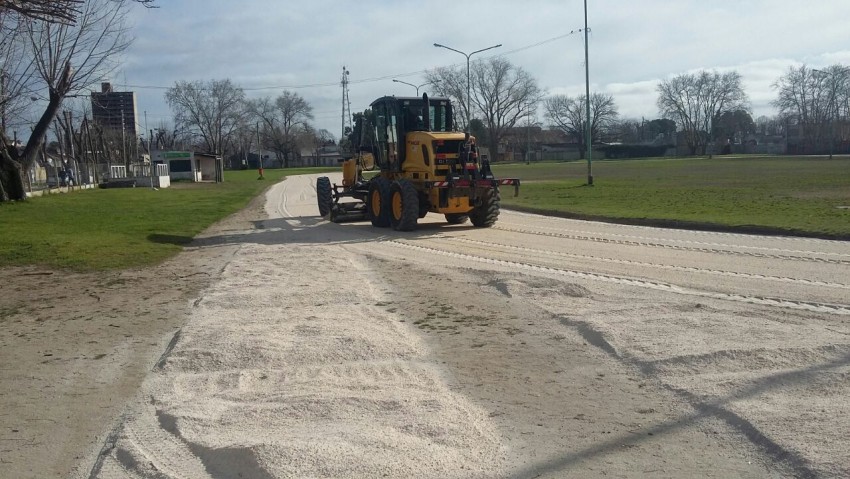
191 166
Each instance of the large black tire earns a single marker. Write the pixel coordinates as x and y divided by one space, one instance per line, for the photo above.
324 195
404 201
424 206
457 218
334 215
485 214
378 202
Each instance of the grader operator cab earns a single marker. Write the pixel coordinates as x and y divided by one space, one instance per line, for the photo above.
422 166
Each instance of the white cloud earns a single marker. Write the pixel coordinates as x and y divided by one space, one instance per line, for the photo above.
265 43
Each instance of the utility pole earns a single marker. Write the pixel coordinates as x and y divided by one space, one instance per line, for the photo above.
528 137
150 149
61 141
3 101
259 154
124 145
93 149
107 153
346 104
588 138
69 120
44 158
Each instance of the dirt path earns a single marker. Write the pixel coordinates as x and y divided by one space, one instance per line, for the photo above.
535 349
74 348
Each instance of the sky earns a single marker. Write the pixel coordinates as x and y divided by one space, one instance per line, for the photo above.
268 46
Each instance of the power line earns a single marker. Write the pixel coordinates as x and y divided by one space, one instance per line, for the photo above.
371 79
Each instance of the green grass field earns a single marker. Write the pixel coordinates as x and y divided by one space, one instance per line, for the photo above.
118 228
795 195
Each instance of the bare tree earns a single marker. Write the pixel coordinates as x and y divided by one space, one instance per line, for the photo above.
281 121
569 115
814 100
658 131
18 79
451 82
662 131
503 95
294 111
65 58
628 130
212 111
53 11
734 126
695 101
265 115
315 140
800 101
166 137
770 125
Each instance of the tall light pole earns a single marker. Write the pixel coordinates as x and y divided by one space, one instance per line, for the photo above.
588 138
414 86
467 73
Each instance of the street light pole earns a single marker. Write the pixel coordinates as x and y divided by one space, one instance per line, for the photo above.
414 86
467 73
588 138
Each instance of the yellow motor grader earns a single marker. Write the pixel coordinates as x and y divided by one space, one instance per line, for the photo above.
421 165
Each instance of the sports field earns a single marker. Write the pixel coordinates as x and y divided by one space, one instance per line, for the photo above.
790 195
118 228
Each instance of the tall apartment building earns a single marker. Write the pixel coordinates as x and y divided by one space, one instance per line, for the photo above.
115 110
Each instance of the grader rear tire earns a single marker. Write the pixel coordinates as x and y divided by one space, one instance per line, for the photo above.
485 214
378 202
324 195
405 205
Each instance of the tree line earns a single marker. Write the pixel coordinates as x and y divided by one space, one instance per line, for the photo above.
54 50
817 102
217 117
702 110
51 50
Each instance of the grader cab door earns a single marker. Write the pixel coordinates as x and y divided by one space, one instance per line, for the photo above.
387 134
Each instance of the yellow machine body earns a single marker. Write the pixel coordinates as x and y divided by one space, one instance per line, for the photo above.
407 160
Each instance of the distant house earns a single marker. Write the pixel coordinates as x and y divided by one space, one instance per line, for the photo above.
560 151
190 165
323 156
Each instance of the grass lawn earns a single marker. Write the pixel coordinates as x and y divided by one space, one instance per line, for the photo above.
797 195
134 227
123 227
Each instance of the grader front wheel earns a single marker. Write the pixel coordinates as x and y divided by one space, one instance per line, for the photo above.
324 195
405 205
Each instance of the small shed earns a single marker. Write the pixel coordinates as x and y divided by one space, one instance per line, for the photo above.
190 165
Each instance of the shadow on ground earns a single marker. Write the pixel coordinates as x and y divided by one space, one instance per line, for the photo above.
317 230
170 239
780 456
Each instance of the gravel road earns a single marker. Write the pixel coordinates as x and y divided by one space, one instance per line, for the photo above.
541 347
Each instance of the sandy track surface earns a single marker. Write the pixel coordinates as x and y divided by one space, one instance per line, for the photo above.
538 348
